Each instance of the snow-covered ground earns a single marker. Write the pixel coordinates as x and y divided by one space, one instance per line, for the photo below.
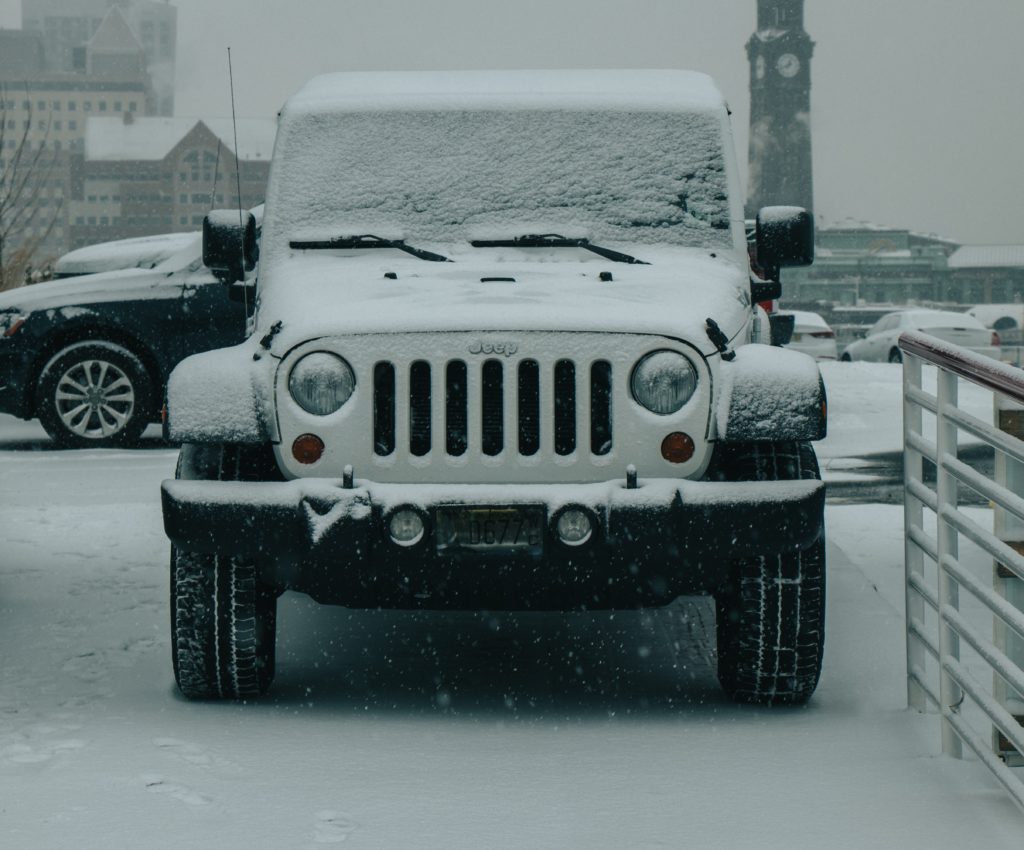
392 730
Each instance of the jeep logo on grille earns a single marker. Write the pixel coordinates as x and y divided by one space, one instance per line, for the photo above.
479 346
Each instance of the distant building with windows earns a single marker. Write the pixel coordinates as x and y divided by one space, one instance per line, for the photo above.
91 36
139 176
858 263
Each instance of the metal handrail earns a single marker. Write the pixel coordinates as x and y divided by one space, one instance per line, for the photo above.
991 374
940 638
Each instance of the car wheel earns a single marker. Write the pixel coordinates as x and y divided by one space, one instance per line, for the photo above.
770 615
223 626
223 618
94 394
895 356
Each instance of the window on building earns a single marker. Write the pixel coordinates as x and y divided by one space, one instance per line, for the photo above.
103 106
41 105
55 105
72 106
92 219
87 106
132 106
80 219
182 199
57 125
91 199
72 125
117 106
104 219
183 220
26 105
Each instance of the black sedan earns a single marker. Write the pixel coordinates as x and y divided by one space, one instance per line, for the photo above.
90 356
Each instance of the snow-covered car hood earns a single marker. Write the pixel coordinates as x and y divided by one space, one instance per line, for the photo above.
107 286
329 293
143 252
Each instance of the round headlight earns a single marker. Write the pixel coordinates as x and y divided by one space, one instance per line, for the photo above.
321 383
663 381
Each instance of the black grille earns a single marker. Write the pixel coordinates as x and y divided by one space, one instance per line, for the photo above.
455 409
601 407
383 409
523 380
529 408
419 408
565 407
492 408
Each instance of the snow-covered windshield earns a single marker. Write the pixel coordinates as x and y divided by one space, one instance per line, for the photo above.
449 176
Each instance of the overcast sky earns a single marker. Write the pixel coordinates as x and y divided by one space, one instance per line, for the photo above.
918 105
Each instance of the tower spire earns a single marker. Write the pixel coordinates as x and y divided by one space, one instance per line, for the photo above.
780 108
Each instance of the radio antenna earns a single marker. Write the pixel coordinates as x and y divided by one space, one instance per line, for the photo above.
238 177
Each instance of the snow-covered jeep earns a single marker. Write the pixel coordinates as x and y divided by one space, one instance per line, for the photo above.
507 355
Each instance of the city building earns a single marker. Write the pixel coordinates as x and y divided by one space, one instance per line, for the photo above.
139 176
68 29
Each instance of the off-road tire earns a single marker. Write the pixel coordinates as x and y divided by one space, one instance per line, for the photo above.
223 618
771 613
94 394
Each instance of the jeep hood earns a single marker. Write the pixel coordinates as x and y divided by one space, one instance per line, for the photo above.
331 293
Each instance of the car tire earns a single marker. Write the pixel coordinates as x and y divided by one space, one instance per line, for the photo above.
770 615
895 356
94 394
223 618
846 358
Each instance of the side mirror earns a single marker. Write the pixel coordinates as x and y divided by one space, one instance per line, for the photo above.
229 244
785 238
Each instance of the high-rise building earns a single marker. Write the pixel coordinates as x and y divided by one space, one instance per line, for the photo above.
780 108
68 26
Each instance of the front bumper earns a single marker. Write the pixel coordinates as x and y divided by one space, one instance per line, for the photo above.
661 540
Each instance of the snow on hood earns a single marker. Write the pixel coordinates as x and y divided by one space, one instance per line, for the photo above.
331 293
143 252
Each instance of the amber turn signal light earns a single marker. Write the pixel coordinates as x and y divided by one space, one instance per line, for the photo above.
308 448
677 447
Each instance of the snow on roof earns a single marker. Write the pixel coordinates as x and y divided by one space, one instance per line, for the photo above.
154 138
633 90
988 257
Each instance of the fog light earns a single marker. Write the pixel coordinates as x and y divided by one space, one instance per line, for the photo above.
574 527
677 447
406 527
308 448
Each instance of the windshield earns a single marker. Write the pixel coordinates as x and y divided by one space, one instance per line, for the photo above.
644 177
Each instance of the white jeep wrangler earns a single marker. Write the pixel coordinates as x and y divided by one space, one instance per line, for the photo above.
506 355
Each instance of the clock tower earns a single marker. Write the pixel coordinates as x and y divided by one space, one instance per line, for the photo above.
780 108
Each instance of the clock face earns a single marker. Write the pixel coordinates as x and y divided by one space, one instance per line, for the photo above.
788 65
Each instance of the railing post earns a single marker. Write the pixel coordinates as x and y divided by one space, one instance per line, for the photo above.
947 546
1009 417
913 517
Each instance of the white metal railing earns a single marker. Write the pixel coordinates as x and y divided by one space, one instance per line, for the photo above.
938 625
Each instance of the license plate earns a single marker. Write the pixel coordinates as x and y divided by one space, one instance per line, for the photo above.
519 529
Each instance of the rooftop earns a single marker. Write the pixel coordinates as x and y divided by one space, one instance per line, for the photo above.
151 138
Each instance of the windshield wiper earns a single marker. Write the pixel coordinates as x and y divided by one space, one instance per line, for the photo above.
367 240
553 240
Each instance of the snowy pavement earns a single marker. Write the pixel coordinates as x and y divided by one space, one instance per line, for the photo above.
392 730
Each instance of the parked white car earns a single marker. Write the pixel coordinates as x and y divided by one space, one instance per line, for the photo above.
881 342
812 335
999 317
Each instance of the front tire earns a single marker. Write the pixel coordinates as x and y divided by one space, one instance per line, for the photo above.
223 623
223 617
771 613
94 394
